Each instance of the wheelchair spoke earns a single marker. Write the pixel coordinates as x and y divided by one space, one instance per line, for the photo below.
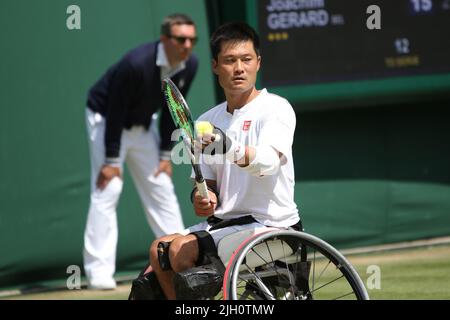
247 284
248 292
314 273
263 260
271 258
260 284
326 284
323 271
268 250
345 295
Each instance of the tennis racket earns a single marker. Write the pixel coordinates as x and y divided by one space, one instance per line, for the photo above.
182 118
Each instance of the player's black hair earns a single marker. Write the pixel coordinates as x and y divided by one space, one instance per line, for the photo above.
233 31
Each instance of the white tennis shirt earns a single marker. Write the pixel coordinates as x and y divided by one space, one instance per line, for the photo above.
267 120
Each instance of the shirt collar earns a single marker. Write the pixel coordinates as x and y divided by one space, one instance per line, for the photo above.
163 62
249 105
161 58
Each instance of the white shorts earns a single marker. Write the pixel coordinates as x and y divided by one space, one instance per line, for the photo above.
219 234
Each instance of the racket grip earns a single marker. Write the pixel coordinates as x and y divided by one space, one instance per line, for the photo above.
203 189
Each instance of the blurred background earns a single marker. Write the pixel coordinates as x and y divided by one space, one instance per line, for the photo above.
371 148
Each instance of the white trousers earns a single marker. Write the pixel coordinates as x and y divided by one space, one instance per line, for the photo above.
140 151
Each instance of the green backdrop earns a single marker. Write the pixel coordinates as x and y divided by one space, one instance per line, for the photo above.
46 71
374 175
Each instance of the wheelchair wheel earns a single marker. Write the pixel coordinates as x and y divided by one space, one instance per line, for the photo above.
290 265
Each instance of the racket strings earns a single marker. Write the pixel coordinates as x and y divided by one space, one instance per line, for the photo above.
178 112
182 117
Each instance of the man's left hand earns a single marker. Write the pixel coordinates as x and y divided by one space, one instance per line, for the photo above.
164 166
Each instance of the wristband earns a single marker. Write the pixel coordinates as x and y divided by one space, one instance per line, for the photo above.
113 162
164 155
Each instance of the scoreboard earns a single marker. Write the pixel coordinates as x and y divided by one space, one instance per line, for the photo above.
333 52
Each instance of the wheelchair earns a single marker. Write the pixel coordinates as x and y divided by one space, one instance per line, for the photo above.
286 265
273 265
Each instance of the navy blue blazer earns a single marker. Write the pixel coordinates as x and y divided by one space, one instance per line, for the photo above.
129 93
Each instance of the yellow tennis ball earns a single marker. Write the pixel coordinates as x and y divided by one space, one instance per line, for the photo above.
204 127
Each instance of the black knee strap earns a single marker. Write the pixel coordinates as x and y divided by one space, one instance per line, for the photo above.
206 250
206 247
163 255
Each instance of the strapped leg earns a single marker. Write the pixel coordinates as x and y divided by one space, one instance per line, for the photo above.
163 255
204 280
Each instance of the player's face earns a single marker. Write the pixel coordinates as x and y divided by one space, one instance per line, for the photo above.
237 66
179 44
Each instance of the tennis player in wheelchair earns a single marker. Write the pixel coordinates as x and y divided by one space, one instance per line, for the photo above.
247 163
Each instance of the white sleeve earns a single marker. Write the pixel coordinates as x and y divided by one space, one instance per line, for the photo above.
266 162
278 128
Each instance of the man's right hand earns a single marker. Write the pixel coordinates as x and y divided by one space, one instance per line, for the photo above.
202 206
106 174
210 139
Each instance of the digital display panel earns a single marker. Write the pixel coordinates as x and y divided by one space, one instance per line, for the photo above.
350 42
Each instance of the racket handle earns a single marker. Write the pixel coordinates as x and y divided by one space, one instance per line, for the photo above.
203 189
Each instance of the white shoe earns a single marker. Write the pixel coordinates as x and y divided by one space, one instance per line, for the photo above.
102 284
